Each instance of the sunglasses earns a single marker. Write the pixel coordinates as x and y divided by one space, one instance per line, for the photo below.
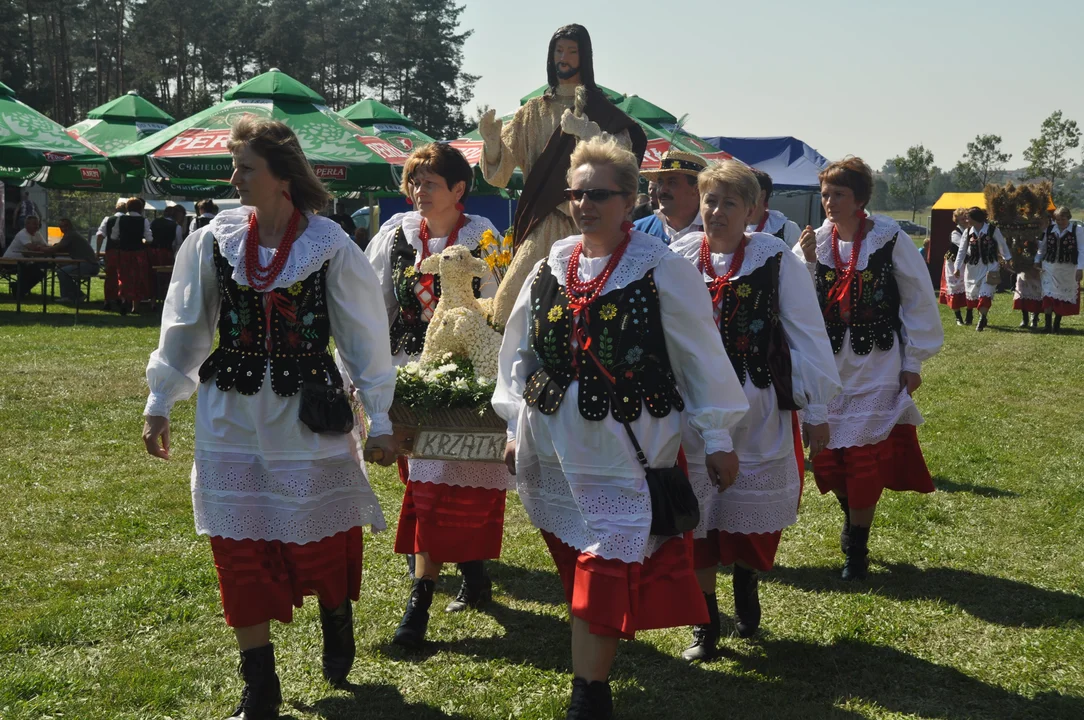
595 195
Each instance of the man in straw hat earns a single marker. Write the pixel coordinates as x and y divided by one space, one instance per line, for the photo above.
679 200
539 140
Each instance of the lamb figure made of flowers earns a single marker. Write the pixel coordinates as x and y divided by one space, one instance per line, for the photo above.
459 325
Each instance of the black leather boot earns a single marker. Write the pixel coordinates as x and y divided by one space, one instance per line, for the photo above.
705 636
262 695
410 565
1026 321
477 587
746 601
1057 323
1034 321
959 317
411 631
857 563
968 317
845 533
1046 323
338 629
982 323
590 701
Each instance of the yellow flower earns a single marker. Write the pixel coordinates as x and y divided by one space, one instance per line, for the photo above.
410 271
491 260
488 240
608 311
556 313
505 258
830 276
295 289
867 275
506 241
744 290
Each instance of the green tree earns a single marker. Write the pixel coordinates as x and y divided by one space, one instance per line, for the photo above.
913 172
966 177
940 183
1048 154
879 199
986 157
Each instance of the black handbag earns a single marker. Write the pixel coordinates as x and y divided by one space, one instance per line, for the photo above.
325 408
674 507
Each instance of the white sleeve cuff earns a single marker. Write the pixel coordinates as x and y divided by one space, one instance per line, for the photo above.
379 424
911 365
815 414
158 406
717 441
510 434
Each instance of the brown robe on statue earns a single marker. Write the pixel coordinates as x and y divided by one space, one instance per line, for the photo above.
534 142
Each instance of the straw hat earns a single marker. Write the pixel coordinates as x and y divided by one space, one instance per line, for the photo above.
677 161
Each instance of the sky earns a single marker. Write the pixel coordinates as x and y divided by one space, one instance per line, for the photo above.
849 78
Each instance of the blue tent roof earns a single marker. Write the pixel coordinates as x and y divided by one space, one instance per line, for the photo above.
792 164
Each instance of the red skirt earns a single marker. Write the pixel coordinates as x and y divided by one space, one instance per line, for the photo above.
112 260
1027 305
133 275
1060 307
981 303
723 548
864 472
262 580
617 598
955 301
452 523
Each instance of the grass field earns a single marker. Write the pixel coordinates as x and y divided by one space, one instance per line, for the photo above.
974 608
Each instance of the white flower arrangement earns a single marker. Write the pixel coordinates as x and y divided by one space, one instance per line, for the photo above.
449 383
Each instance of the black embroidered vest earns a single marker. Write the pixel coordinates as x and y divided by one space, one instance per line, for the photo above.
875 304
408 328
163 233
982 248
625 327
781 232
1063 249
300 332
130 232
954 249
752 331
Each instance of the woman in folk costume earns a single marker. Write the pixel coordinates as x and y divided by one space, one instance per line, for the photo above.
882 320
952 285
769 320
611 339
1061 259
453 511
275 483
1027 294
130 235
977 263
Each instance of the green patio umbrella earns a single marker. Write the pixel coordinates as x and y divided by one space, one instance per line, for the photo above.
30 141
109 127
663 129
341 153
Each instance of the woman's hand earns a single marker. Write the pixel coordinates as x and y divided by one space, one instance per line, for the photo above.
510 456
380 449
722 469
816 438
910 381
808 241
156 427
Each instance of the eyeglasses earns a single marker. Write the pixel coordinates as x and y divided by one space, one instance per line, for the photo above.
595 195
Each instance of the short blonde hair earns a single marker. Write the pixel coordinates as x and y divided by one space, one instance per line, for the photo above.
1064 212
959 214
605 150
731 175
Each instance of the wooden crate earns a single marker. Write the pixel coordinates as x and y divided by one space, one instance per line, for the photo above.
449 434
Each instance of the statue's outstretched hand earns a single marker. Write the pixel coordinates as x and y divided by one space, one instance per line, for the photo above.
578 125
489 127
